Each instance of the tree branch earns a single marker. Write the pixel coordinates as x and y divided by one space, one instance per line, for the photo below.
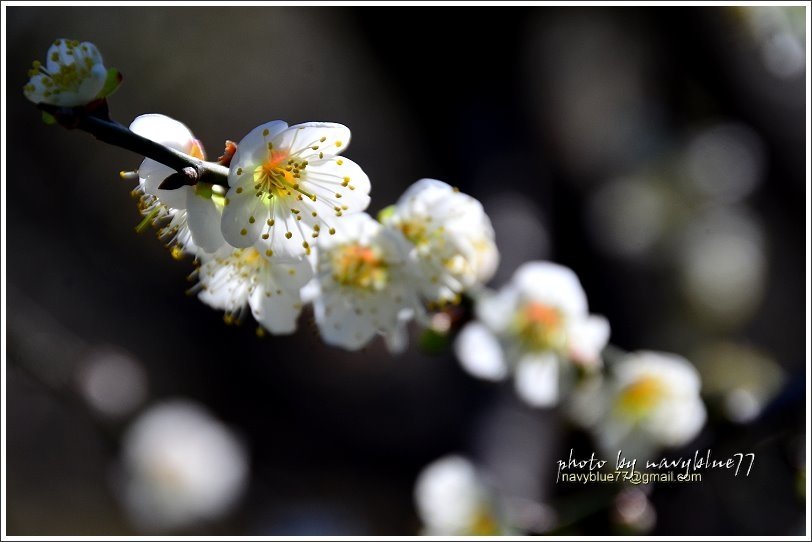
191 170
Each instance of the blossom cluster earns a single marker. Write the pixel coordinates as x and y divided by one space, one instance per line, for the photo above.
289 228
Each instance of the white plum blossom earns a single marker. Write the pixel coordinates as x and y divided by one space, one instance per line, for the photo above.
365 285
73 75
537 327
288 186
452 500
452 238
233 278
180 467
647 401
193 212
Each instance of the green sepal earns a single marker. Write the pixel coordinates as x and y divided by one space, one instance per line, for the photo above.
48 119
111 84
432 342
386 212
204 190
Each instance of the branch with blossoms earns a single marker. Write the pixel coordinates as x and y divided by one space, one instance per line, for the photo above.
278 222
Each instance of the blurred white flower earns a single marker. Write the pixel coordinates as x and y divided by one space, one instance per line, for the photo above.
112 381
287 186
725 162
193 213
232 278
73 75
452 238
452 500
366 285
633 511
722 265
780 33
629 216
181 467
534 326
649 400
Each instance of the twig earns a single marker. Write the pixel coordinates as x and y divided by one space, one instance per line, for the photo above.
190 170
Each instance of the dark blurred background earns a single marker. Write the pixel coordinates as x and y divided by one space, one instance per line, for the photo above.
660 153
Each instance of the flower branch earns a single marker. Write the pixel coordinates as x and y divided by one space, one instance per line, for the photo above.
190 170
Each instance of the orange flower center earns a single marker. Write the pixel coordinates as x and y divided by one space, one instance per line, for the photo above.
540 327
639 397
359 266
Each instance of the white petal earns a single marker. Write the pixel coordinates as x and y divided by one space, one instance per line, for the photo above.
244 216
480 353
90 86
553 285
36 94
496 310
276 312
89 50
291 276
424 187
224 288
252 150
325 177
164 130
672 368
300 139
339 326
58 56
537 380
587 337
204 221
153 174
397 339
486 259
449 496
310 291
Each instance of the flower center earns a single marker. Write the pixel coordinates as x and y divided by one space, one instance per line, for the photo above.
246 263
70 76
484 523
414 230
540 327
360 267
278 176
639 397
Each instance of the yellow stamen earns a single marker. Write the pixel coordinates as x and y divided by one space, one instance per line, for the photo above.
360 267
